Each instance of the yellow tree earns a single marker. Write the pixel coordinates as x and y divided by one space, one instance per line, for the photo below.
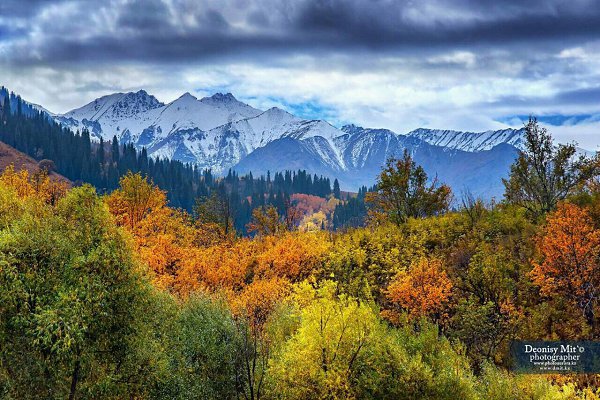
37 185
265 222
334 343
342 350
135 198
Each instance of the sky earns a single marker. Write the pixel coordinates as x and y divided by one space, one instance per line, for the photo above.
457 64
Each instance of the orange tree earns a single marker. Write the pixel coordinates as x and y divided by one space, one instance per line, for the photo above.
570 248
165 238
423 290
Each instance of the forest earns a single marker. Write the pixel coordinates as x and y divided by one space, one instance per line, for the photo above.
76 156
111 294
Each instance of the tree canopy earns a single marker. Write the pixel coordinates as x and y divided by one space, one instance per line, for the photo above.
403 191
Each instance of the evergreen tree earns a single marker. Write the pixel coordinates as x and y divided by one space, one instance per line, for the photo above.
336 189
115 150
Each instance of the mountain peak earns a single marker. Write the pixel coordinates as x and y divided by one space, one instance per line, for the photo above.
351 128
222 98
187 96
277 115
277 111
141 95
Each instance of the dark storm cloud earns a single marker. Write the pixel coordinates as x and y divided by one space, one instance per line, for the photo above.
258 18
144 15
400 23
579 97
21 9
180 30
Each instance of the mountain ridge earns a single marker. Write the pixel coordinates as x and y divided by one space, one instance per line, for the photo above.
219 132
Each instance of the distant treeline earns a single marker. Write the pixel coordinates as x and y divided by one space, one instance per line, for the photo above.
75 156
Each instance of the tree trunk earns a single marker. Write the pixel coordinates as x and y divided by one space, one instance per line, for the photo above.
74 379
590 318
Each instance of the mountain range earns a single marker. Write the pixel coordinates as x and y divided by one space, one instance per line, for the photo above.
221 133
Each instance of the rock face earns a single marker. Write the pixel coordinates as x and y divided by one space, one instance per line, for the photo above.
219 132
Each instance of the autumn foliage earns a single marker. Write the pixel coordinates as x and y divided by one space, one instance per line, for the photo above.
134 200
36 185
188 308
570 264
423 290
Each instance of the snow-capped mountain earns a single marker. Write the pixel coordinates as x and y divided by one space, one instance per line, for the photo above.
134 116
214 132
276 123
220 132
477 171
470 141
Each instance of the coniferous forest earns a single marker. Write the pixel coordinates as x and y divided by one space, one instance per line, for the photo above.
124 286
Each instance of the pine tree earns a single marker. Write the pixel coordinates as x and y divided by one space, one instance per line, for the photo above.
115 150
336 189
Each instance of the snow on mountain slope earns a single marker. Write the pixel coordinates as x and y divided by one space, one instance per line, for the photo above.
187 112
264 128
219 132
287 153
276 123
479 172
469 141
478 141
366 150
361 147
116 106
115 114
134 116
235 140
215 132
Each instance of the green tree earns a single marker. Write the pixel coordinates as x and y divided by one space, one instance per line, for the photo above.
403 191
215 209
545 173
203 353
73 308
336 189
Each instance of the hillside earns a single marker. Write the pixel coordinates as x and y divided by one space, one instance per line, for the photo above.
11 156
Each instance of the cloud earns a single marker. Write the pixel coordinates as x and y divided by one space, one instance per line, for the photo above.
585 135
399 64
144 15
589 95
180 30
583 100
